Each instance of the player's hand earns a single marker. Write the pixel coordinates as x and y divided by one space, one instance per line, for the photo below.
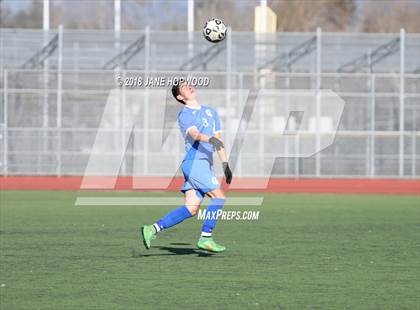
216 143
228 172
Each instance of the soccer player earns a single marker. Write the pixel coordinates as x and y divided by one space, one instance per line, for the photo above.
201 129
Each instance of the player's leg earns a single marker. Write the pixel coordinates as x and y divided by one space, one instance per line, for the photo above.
200 176
189 209
217 200
192 201
208 184
206 242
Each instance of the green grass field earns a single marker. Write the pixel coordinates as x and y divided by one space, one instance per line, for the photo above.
305 252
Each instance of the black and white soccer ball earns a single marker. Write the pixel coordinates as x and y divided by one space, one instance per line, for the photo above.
214 30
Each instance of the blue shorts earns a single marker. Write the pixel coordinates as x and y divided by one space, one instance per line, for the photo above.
199 175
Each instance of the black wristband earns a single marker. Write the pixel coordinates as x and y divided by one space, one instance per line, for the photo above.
216 143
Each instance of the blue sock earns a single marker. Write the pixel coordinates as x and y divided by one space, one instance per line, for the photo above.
172 218
215 205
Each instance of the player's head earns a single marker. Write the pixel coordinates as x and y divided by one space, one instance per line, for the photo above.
183 92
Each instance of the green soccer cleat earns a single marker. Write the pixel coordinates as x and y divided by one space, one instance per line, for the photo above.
208 244
149 233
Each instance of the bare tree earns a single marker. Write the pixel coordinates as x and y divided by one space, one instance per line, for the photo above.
80 14
292 15
237 14
158 14
307 15
5 15
30 18
390 16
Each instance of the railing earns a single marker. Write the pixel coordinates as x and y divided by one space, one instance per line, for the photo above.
50 114
369 142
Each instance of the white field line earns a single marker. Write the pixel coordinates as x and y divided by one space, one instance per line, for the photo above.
159 201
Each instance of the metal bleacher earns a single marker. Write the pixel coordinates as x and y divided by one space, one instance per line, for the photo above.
90 49
50 115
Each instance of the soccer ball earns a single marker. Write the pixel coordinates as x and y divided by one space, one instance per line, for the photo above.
214 30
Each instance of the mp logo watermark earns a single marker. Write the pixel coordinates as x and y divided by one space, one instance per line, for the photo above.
231 215
138 137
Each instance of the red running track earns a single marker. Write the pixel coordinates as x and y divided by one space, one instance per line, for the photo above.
366 186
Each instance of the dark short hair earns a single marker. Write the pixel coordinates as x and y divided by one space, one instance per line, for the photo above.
175 91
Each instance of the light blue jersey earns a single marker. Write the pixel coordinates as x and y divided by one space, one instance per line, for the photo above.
197 166
207 122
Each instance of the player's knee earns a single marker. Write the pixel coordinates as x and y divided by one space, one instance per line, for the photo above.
192 201
218 193
193 208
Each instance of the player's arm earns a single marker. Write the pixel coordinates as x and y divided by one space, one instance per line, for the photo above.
223 158
188 125
217 142
221 152
196 135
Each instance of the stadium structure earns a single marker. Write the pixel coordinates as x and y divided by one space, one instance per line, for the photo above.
55 83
